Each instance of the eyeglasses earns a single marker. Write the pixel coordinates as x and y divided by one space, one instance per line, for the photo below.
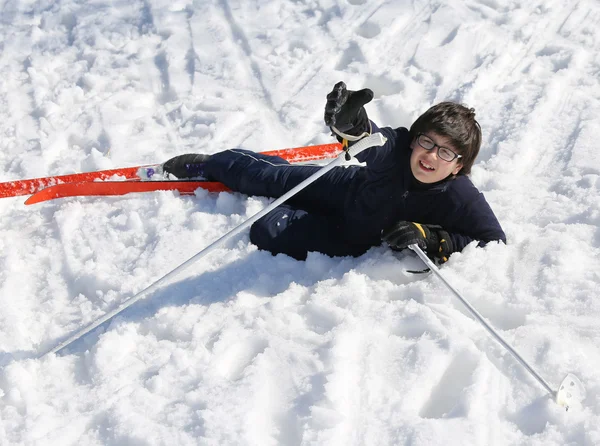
443 152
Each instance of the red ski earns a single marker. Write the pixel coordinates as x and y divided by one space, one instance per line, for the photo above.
103 188
31 186
185 187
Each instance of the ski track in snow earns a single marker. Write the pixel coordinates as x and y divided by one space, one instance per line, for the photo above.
246 348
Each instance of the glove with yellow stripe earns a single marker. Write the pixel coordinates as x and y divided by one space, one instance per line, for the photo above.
432 239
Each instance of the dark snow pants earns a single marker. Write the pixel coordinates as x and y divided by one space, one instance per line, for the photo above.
312 220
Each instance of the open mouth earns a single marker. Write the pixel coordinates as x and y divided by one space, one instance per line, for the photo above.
426 166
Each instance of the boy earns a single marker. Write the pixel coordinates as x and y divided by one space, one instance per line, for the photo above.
414 189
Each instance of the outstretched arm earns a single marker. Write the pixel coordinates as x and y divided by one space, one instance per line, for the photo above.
476 222
345 114
458 226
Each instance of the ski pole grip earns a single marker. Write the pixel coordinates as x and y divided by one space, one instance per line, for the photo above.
376 139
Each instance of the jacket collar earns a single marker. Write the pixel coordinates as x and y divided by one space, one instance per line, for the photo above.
440 186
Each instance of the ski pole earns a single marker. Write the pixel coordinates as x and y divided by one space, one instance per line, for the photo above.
571 390
377 139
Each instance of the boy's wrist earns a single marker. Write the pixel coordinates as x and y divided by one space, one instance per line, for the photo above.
352 137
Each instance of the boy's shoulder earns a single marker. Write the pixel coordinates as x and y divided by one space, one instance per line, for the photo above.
402 136
460 201
399 135
461 190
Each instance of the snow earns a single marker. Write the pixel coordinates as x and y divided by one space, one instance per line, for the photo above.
246 348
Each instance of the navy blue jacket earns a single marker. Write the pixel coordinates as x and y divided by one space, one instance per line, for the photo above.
345 211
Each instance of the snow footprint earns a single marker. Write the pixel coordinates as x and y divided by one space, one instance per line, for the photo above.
447 399
369 30
232 362
321 318
502 316
560 58
352 54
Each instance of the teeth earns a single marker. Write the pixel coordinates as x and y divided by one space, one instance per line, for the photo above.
426 166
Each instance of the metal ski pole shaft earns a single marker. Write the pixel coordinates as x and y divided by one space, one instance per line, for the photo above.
571 390
376 139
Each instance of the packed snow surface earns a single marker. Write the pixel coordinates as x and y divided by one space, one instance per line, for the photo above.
245 348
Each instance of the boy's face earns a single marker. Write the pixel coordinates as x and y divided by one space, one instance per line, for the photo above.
427 166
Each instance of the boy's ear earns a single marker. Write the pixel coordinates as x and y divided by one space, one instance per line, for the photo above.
457 168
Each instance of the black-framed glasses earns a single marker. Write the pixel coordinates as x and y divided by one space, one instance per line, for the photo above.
443 152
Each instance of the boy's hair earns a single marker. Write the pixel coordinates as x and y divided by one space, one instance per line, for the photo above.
455 122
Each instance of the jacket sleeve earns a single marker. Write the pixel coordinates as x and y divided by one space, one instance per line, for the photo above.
476 222
381 159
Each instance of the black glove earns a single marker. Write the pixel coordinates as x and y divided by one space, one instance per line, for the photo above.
431 238
190 165
344 110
